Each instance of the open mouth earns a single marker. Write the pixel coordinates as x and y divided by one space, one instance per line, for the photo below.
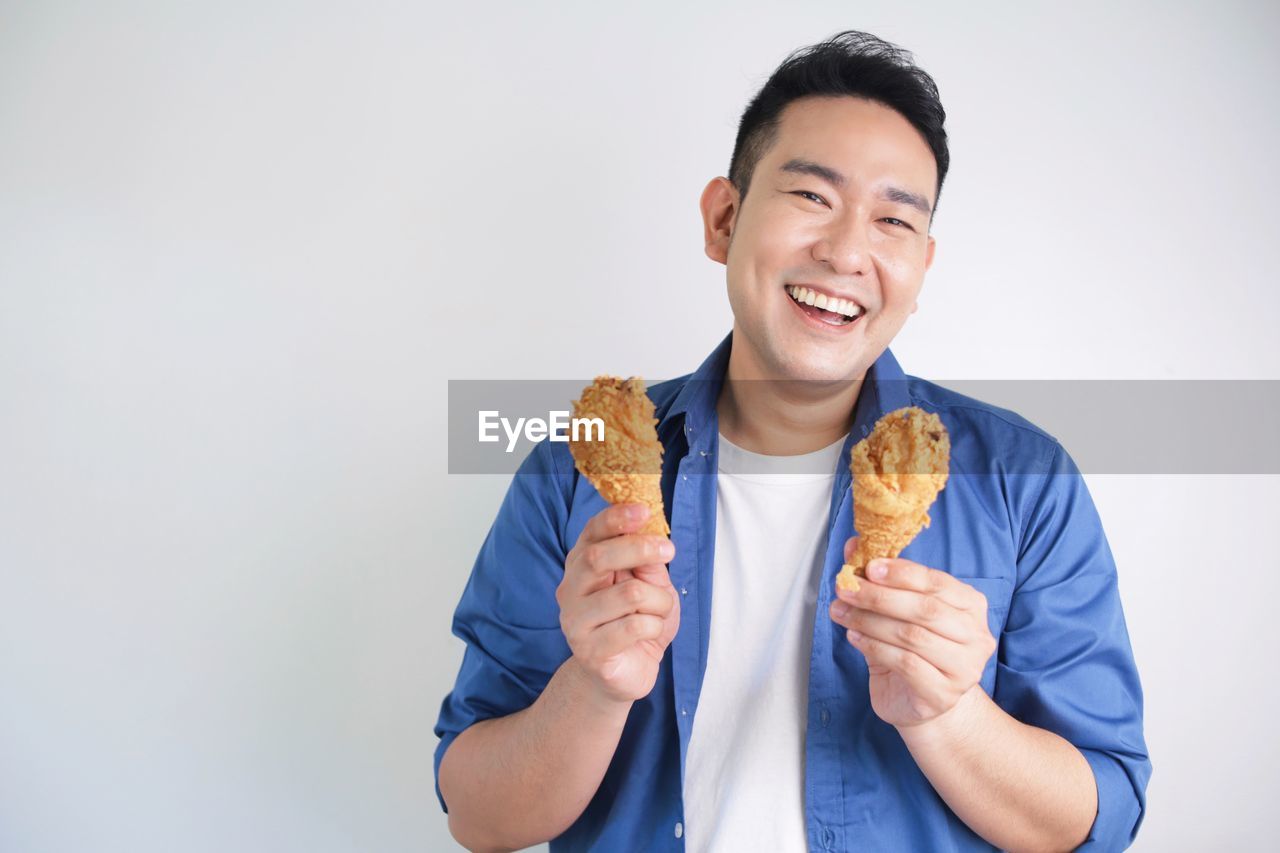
823 308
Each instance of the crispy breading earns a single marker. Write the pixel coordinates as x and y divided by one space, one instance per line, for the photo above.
627 466
898 471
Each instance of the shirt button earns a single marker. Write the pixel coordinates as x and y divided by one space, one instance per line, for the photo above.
684 476
679 829
684 591
702 453
684 712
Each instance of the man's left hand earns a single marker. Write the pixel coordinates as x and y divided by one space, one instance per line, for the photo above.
924 634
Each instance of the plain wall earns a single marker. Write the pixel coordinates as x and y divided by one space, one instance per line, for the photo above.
244 245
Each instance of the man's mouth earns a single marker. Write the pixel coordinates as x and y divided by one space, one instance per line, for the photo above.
830 310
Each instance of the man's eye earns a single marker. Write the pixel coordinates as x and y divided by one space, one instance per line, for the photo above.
899 221
807 193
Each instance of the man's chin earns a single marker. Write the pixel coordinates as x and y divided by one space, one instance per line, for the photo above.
801 359
829 365
819 369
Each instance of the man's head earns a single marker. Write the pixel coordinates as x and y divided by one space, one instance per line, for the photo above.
833 183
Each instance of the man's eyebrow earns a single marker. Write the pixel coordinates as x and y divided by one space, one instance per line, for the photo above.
897 195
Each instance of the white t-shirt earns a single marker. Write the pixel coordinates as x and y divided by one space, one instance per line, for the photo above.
744 771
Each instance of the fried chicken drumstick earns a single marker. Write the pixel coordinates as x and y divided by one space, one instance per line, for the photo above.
898 471
627 466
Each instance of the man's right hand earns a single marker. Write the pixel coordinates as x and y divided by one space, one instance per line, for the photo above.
618 609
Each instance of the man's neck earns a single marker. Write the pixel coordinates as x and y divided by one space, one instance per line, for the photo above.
779 417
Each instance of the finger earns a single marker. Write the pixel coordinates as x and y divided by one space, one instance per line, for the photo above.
946 655
613 521
922 609
661 578
654 573
850 548
591 567
619 600
618 636
906 574
925 678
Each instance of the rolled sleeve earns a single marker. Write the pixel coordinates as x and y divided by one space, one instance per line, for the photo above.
1065 663
508 616
1121 801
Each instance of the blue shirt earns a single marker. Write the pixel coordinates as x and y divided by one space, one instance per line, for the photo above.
1015 521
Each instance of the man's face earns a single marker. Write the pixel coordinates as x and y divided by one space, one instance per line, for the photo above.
861 239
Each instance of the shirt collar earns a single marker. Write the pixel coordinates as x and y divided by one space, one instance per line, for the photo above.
697 397
884 389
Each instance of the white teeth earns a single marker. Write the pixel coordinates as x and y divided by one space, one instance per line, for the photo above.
805 296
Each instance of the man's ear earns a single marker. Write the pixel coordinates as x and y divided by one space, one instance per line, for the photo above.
719 205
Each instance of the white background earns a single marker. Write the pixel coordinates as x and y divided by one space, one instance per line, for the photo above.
244 245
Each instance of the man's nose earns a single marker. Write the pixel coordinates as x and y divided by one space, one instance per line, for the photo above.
846 246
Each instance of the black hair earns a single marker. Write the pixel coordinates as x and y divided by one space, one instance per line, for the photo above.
849 63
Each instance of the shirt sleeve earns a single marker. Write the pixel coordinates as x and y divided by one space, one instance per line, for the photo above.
1065 663
508 616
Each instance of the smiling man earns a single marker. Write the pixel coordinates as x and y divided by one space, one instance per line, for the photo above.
711 691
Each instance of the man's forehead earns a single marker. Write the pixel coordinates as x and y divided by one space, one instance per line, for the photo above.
811 127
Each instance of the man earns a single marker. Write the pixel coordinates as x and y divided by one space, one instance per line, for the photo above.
978 691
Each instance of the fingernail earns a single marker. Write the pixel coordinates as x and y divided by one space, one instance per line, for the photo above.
840 610
878 568
637 511
667 550
853 635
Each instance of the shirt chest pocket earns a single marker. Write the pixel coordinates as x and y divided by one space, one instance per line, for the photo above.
999 594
